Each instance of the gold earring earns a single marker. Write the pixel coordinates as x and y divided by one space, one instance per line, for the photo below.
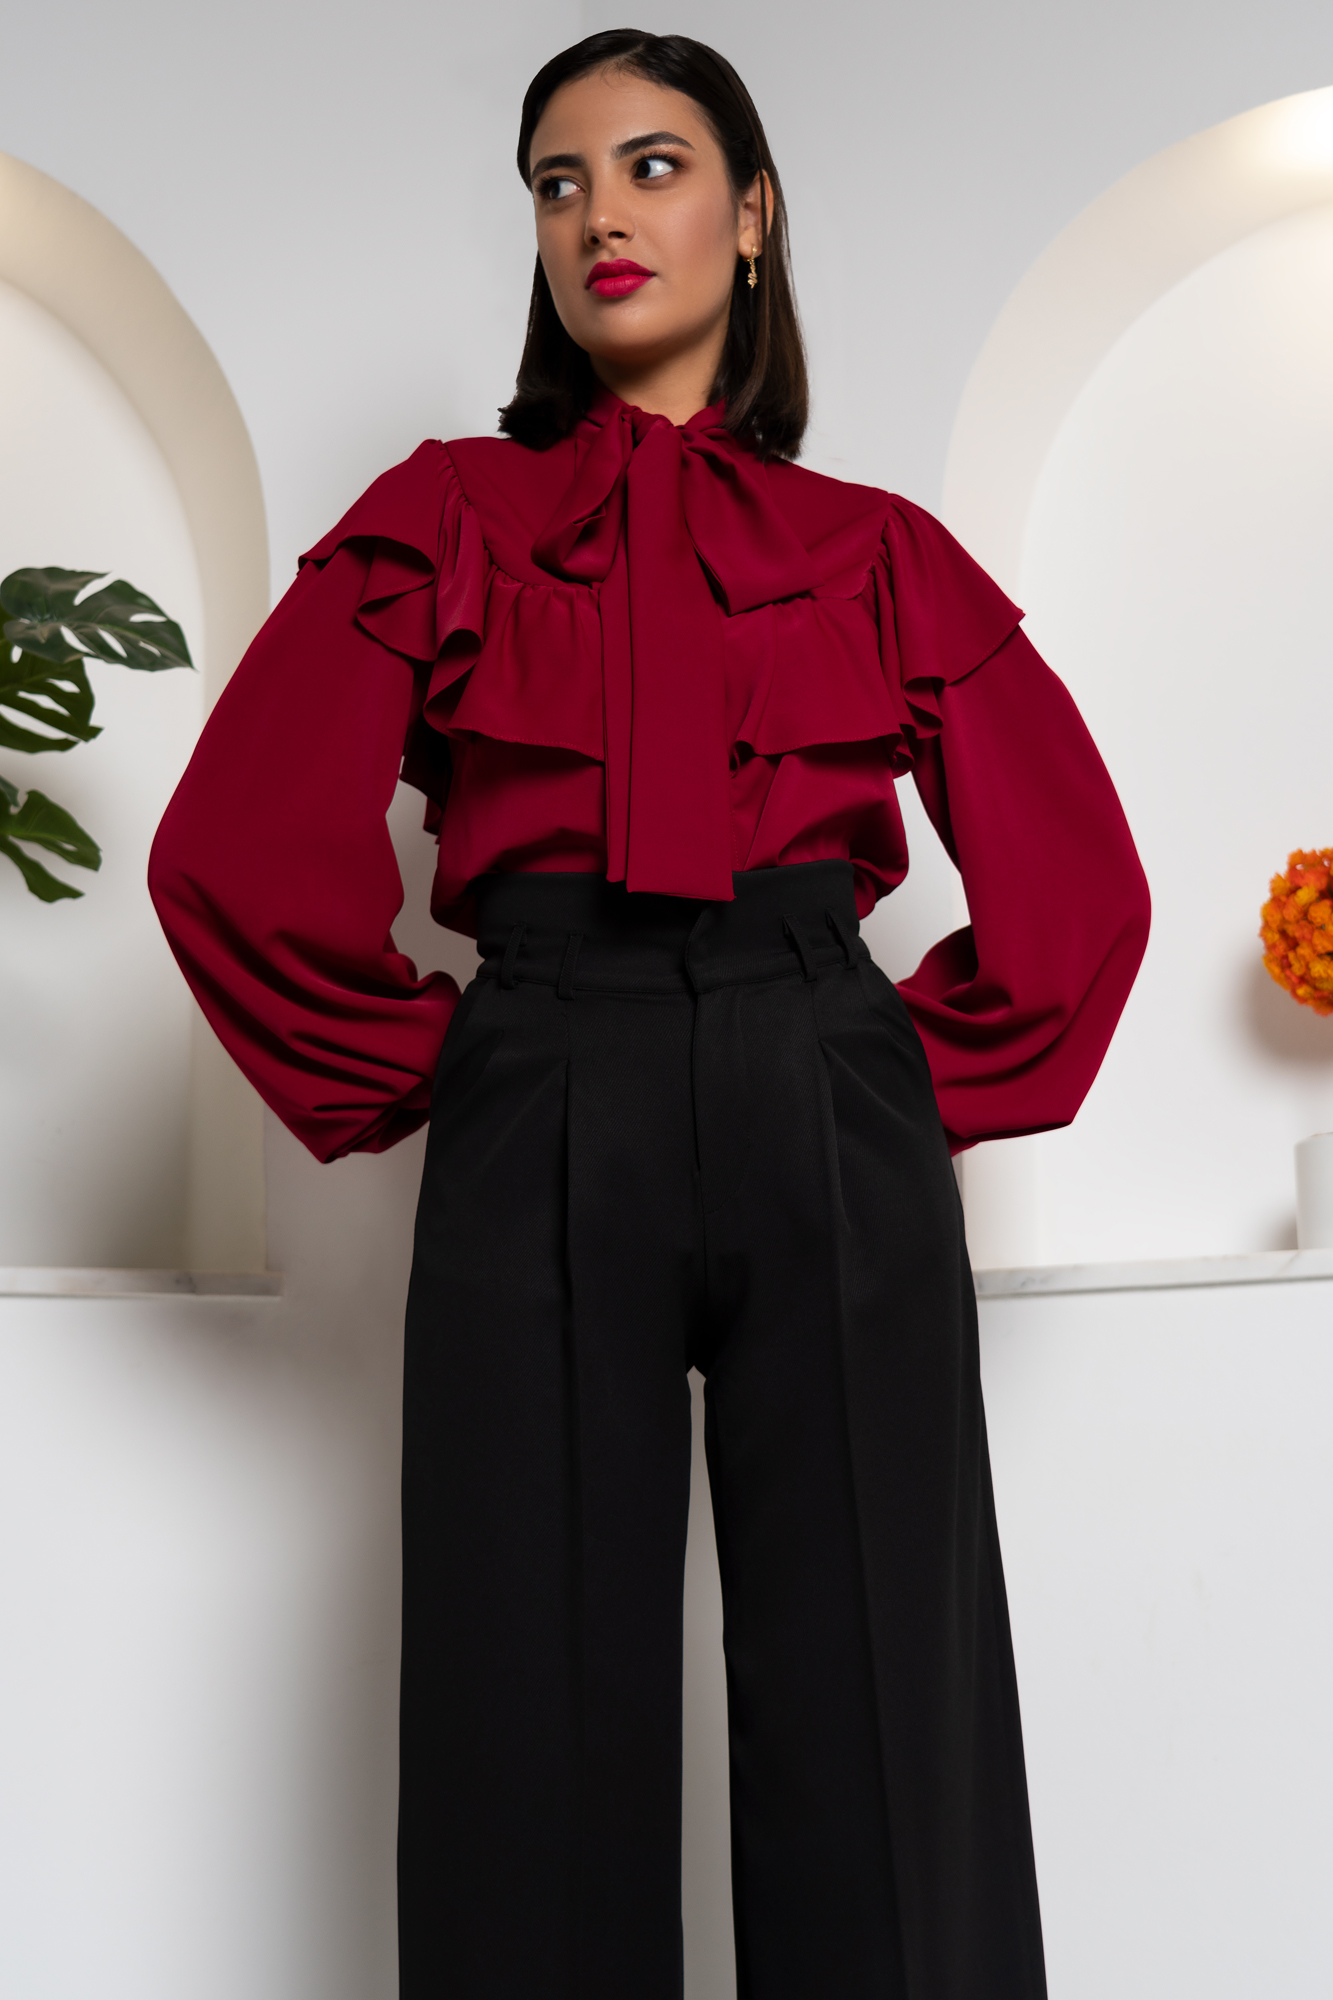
753 278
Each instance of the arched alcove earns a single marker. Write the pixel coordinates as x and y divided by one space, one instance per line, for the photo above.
1141 457
130 1137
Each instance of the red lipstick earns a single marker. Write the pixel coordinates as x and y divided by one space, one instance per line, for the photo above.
617 279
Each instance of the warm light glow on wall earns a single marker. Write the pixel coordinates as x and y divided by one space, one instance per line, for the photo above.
1298 134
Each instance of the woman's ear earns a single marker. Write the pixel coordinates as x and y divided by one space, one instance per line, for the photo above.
754 215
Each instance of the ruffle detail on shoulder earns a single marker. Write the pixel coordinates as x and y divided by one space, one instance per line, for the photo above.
940 617
426 581
432 593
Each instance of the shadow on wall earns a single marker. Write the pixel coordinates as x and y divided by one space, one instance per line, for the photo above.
1284 1030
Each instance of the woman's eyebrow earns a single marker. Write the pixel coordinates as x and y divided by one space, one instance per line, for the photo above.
628 146
549 160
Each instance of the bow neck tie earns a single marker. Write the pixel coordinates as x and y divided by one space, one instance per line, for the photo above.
677 527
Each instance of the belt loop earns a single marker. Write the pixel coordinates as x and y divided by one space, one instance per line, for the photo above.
510 959
803 951
840 932
565 983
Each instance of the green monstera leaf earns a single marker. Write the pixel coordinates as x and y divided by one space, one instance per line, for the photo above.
36 821
57 698
65 614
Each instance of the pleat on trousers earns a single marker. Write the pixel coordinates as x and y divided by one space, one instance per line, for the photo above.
670 1135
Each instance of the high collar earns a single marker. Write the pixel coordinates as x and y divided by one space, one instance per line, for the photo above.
606 406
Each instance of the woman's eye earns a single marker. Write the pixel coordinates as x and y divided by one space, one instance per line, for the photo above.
558 187
653 166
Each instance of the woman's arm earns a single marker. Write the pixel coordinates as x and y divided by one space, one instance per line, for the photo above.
1016 1012
275 879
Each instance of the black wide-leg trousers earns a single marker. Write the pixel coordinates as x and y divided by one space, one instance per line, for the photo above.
669 1134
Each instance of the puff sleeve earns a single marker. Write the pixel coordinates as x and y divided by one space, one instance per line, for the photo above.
273 873
1017 1010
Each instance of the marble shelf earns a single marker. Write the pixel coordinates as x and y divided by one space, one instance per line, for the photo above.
69 1281
1258 1267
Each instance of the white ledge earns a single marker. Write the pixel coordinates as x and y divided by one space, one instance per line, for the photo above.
69 1281
1260 1267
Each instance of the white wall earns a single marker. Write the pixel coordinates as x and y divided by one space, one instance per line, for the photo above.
331 196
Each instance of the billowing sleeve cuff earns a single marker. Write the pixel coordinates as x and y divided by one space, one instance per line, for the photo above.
1016 1011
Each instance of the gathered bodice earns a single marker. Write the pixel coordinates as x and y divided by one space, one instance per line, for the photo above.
655 601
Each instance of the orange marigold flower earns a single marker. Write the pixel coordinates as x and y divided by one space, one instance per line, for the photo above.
1297 928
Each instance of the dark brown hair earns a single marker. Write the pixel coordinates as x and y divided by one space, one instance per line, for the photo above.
762 374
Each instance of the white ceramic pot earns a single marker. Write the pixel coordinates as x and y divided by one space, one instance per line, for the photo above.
1314 1192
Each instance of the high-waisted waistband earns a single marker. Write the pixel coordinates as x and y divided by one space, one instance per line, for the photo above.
580 931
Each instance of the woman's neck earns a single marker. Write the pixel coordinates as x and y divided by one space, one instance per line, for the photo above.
676 389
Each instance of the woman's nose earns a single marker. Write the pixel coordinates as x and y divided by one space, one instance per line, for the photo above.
605 225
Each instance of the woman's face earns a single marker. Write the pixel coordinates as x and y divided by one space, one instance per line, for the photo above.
638 226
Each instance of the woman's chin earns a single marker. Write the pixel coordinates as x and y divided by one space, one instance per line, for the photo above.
627 349
618 333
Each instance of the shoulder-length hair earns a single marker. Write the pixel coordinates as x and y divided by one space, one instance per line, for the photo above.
762 376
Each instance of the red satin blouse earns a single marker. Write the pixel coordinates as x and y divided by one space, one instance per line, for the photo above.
640 653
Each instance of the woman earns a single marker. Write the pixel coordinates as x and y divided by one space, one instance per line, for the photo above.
657 682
